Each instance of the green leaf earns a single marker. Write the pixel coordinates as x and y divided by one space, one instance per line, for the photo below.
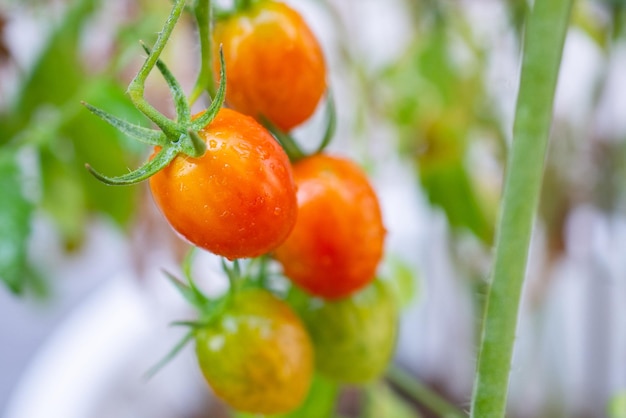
58 73
63 197
449 187
617 405
99 144
15 217
381 401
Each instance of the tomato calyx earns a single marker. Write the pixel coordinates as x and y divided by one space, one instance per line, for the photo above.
209 309
174 137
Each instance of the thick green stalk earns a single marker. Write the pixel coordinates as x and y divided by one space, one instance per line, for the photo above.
543 46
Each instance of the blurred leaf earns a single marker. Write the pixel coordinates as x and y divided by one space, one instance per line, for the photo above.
450 188
15 213
58 73
405 281
99 144
435 103
63 198
381 401
594 28
617 405
320 402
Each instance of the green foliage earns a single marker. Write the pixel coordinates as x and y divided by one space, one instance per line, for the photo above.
435 104
617 405
46 116
15 211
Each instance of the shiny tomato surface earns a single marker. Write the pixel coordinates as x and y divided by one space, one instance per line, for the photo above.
257 356
238 199
274 64
337 242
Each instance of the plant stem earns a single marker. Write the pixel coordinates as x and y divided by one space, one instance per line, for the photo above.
422 393
543 46
202 13
137 85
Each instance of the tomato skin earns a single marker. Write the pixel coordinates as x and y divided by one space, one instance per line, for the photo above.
257 356
354 338
275 66
337 242
238 199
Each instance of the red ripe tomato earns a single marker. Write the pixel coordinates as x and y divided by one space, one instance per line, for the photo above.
275 66
238 199
257 356
337 242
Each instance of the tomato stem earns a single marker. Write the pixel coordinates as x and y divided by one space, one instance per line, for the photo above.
183 112
137 85
422 393
543 46
218 100
331 124
202 12
289 144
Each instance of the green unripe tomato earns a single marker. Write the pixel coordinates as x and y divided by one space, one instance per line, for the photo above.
354 338
257 356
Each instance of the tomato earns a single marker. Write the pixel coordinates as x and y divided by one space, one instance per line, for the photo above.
275 66
257 356
354 338
238 199
337 242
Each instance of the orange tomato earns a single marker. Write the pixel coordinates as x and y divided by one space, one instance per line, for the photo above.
238 199
274 64
337 242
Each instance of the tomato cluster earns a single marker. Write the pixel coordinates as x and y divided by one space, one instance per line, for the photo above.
319 218
225 184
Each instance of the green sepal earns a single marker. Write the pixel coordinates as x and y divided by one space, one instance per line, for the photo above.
197 146
169 356
218 100
190 292
331 122
160 161
183 113
189 324
145 135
